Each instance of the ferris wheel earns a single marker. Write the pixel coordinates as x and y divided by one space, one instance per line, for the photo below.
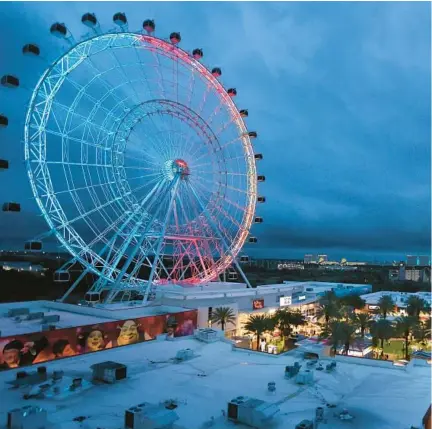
140 160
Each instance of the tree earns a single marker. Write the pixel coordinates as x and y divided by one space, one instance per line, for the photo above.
405 326
382 329
347 333
353 301
285 319
222 316
386 305
362 321
328 307
340 332
257 324
422 332
416 305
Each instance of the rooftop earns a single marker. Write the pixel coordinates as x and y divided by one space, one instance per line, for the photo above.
73 315
398 297
202 386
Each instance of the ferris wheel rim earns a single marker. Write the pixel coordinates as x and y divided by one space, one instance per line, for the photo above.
247 221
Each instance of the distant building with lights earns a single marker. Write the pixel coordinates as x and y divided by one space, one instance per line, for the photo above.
409 273
310 259
414 260
424 260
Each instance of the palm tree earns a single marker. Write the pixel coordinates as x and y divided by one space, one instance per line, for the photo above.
328 307
422 331
223 315
382 329
284 320
363 321
405 326
416 305
353 301
257 324
386 305
340 333
347 332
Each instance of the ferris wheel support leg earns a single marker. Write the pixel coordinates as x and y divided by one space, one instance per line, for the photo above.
127 242
160 241
172 188
218 233
74 284
107 246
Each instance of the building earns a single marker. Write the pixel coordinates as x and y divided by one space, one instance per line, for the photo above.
399 298
243 301
411 260
424 260
322 258
290 266
409 273
393 275
416 275
310 259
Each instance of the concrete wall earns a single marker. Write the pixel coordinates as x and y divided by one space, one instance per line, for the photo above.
420 362
368 362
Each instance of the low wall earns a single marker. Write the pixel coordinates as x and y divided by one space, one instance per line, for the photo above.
420 362
255 352
367 362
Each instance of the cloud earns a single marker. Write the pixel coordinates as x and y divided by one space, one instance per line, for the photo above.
339 94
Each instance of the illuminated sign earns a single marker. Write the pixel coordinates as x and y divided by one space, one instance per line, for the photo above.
301 298
258 304
285 300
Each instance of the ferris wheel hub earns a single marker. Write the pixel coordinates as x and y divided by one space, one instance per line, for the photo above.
173 168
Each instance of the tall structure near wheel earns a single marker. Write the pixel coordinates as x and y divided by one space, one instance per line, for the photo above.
140 160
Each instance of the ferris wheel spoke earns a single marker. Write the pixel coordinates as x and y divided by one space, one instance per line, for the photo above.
154 175
146 156
124 75
221 232
149 183
194 166
122 250
200 257
224 243
133 167
173 190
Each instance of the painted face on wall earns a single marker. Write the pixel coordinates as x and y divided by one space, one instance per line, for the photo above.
95 341
67 351
11 357
128 333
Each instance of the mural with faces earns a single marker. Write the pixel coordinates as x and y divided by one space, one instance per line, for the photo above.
29 349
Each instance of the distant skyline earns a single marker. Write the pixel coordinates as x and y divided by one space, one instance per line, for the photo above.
339 94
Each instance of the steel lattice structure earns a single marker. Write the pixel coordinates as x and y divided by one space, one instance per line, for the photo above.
141 163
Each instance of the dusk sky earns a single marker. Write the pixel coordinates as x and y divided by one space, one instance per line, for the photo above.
339 94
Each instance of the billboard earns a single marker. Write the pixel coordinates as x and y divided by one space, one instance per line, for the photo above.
28 349
285 300
258 304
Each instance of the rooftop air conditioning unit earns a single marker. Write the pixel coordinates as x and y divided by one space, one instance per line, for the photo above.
28 417
149 416
251 412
